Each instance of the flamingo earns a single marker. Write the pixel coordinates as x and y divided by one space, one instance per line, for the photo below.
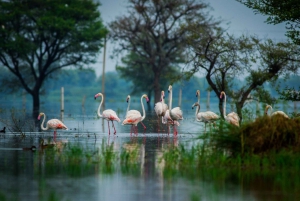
160 107
129 112
108 114
232 117
275 113
206 117
173 115
52 124
133 117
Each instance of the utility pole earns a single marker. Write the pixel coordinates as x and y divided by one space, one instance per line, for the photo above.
103 73
103 80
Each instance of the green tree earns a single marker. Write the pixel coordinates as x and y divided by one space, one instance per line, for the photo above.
40 37
225 59
153 33
135 69
279 11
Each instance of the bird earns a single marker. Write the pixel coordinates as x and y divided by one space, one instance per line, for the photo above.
232 117
172 114
161 108
52 124
134 117
3 130
108 114
206 117
129 112
275 113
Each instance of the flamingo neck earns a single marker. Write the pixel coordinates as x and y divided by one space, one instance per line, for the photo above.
197 110
128 106
144 114
199 98
170 100
267 109
99 108
42 125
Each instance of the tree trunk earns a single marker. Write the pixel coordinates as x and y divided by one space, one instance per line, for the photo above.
36 106
239 107
157 89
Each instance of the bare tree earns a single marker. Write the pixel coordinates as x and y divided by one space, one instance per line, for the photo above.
156 32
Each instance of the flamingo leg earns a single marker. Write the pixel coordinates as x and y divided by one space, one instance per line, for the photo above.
114 127
108 128
54 134
143 125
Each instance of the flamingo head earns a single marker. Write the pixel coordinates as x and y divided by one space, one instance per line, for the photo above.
162 95
128 98
146 97
195 104
41 114
170 88
197 93
222 94
97 95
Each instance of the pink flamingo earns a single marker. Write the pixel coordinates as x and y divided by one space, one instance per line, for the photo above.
275 113
108 114
161 108
52 124
173 115
133 117
232 117
206 117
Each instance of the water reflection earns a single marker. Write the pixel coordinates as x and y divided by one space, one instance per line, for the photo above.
96 166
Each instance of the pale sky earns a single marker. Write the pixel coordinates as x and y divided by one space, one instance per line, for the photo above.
242 20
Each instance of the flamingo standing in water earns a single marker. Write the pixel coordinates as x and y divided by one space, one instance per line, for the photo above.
161 108
52 124
232 117
173 115
108 114
275 113
206 117
133 117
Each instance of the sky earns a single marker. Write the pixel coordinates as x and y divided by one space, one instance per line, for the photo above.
241 19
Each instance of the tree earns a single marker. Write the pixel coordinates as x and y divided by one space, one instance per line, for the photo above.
279 11
135 69
153 33
225 59
40 37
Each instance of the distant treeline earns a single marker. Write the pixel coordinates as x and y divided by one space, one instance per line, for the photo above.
83 83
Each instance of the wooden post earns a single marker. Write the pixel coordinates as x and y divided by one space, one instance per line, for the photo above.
208 101
179 99
62 106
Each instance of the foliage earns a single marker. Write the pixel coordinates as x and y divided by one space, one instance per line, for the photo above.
153 34
226 57
266 134
39 37
279 12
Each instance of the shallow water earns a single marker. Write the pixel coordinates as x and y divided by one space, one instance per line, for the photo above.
47 174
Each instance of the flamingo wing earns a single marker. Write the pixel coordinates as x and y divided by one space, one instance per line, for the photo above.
110 115
280 113
233 119
176 113
133 118
133 112
56 124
